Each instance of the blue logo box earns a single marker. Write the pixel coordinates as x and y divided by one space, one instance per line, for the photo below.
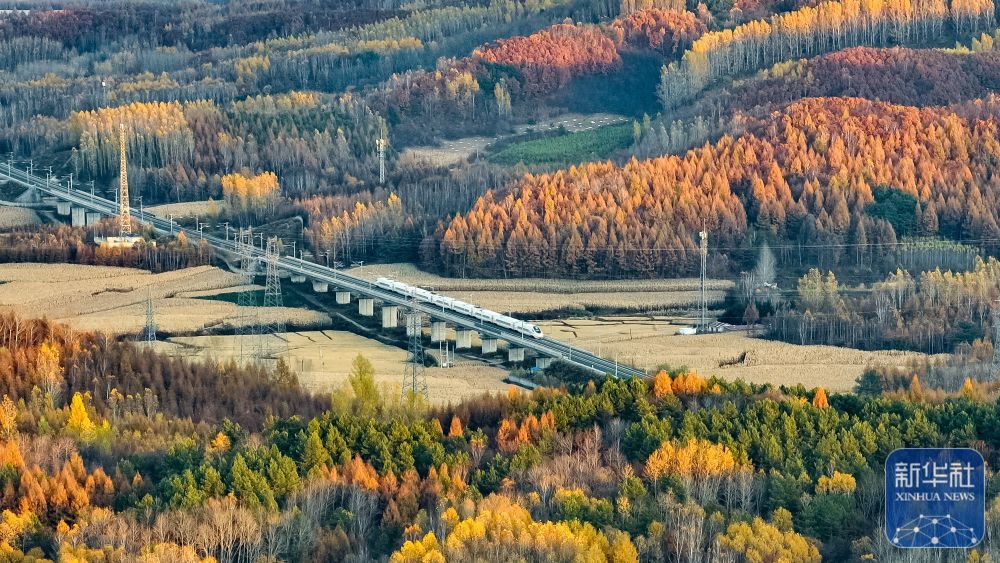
935 498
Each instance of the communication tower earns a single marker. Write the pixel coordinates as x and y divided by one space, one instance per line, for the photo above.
382 143
124 214
125 239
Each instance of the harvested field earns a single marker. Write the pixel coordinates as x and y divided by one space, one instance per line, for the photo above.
188 208
410 274
648 342
528 302
114 299
322 360
449 152
11 217
537 295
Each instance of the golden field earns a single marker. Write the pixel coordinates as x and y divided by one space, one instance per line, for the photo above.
322 360
650 341
114 299
188 208
534 295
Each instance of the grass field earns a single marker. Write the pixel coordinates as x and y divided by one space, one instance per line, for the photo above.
114 299
322 360
535 295
650 341
188 208
452 151
571 148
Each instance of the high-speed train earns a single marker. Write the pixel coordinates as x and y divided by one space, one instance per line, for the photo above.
522 327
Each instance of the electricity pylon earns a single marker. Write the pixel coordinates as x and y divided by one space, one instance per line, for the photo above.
267 332
149 332
246 326
124 213
414 378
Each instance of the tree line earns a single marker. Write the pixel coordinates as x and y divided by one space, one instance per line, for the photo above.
808 31
74 245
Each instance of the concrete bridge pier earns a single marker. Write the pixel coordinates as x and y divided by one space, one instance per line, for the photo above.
78 217
390 316
297 278
413 324
343 297
463 339
439 331
543 363
93 217
489 345
63 207
366 307
515 354
321 287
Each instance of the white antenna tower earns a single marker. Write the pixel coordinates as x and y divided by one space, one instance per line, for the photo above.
414 378
703 298
381 143
124 214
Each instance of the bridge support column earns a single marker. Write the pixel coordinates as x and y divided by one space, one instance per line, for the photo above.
463 339
78 217
321 287
298 279
390 316
543 363
93 217
412 324
343 297
439 331
366 307
489 345
63 207
515 354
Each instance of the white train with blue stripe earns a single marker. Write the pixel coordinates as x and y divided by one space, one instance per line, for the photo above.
525 328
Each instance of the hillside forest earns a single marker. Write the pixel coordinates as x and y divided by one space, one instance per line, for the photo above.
111 452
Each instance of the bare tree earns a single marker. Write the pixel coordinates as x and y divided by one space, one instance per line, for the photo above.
362 505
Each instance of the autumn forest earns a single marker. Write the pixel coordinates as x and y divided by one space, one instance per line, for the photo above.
841 157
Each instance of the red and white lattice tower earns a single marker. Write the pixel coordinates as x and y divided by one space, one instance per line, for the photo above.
124 215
